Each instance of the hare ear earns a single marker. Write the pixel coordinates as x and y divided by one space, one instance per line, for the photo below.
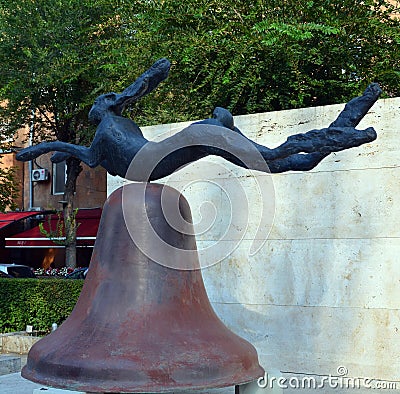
145 84
111 96
133 92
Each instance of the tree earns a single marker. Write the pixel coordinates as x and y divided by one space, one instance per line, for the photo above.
8 188
256 56
53 64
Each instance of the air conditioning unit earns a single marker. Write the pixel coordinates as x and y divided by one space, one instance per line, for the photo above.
41 174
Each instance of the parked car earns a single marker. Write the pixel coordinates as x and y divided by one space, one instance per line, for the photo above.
17 270
79 273
4 275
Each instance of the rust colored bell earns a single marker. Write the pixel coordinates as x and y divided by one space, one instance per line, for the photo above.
141 326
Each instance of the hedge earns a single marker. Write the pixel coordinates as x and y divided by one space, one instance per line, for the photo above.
36 302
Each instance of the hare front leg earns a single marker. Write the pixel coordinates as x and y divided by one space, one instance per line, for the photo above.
80 152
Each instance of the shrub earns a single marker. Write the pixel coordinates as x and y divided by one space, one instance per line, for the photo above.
36 302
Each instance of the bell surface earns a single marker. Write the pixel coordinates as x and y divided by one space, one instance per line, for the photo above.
140 324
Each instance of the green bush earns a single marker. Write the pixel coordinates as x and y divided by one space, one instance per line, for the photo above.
37 302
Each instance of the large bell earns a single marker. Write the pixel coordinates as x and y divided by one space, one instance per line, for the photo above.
141 326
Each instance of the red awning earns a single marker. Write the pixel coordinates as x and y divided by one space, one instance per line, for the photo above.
88 220
12 217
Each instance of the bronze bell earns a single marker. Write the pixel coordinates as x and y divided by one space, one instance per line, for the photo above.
141 326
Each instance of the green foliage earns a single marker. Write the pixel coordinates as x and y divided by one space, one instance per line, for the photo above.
52 56
248 56
8 186
8 189
254 56
57 235
37 302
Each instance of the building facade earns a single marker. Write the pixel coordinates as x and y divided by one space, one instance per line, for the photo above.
41 187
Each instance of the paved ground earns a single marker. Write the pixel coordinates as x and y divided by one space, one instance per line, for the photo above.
15 384
295 383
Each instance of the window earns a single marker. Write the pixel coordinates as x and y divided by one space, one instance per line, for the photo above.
59 177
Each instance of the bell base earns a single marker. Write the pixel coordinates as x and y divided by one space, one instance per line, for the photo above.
212 367
130 387
214 357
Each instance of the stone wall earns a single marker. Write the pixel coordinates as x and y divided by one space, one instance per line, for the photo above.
17 342
322 291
